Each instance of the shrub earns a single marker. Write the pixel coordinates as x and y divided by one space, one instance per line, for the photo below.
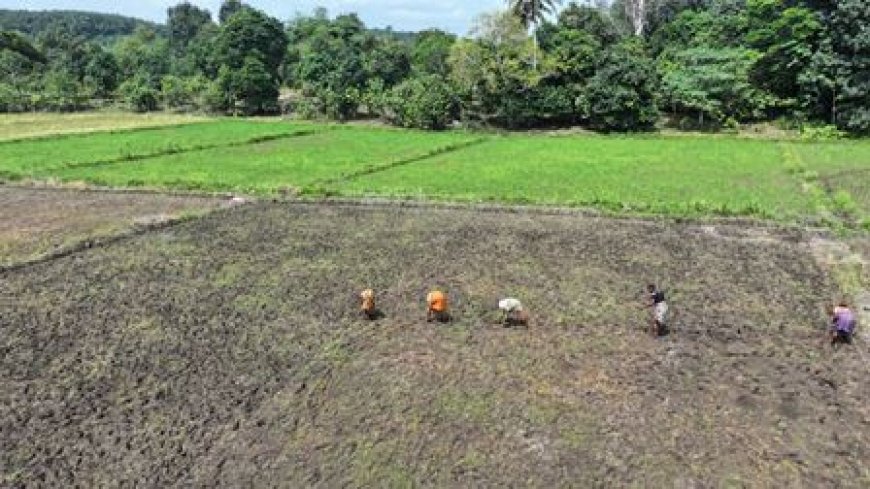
139 95
821 133
423 102
621 95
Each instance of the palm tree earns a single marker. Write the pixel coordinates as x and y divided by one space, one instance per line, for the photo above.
531 13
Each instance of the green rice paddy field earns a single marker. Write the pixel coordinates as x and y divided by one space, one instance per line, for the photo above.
677 176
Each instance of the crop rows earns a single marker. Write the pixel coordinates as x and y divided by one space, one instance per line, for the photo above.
687 176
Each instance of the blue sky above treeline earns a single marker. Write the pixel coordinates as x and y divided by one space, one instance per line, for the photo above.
402 15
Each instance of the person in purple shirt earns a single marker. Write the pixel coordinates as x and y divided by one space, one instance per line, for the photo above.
842 324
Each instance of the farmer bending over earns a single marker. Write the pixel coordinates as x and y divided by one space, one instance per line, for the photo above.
513 312
656 301
368 308
437 307
842 324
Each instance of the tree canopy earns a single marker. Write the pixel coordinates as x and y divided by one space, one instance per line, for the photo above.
622 65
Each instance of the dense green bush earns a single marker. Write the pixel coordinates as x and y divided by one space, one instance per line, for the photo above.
621 95
423 102
139 95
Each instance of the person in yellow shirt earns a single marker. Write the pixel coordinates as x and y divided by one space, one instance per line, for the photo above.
437 307
368 308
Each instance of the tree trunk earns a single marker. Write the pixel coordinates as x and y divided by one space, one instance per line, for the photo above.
635 10
535 50
535 14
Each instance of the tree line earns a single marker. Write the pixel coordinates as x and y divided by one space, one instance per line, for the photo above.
626 65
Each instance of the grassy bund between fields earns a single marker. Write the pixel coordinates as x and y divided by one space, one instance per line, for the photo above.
787 181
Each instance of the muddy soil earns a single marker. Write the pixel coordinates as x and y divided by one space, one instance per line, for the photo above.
228 352
35 222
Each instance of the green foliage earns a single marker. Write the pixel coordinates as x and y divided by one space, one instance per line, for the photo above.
589 20
495 74
822 133
249 50
697 29
139 95
184 94
621 95
250 90
251 33
720 63
228 9
577 54
20 45
60 93
332 66
851 44
430 52
713 85
820 84
184 21
88 25
786 39
143 55
422 102
389 61
102 73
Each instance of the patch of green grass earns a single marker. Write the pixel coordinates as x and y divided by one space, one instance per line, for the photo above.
826 182
39 157
685 176
844 168
832 157
269 166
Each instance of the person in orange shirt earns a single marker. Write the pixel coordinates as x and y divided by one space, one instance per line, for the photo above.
437 303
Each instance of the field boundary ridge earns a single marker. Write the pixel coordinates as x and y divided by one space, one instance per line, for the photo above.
138 157
440 150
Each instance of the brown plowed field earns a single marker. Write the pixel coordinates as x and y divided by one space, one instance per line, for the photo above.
36 222
226 352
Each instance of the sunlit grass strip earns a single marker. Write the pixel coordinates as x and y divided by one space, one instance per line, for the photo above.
22 159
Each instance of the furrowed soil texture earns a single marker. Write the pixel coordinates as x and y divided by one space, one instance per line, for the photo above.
38 222
227 352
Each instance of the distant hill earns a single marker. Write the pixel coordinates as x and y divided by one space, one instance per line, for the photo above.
90 25
404 36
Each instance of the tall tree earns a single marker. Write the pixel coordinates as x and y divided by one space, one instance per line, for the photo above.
532 13
228 8
184 22
430 52
249 50
638 13
851 43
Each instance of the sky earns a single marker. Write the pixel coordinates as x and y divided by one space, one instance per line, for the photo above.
403 15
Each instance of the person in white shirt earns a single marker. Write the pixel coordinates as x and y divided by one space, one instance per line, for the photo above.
513 313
